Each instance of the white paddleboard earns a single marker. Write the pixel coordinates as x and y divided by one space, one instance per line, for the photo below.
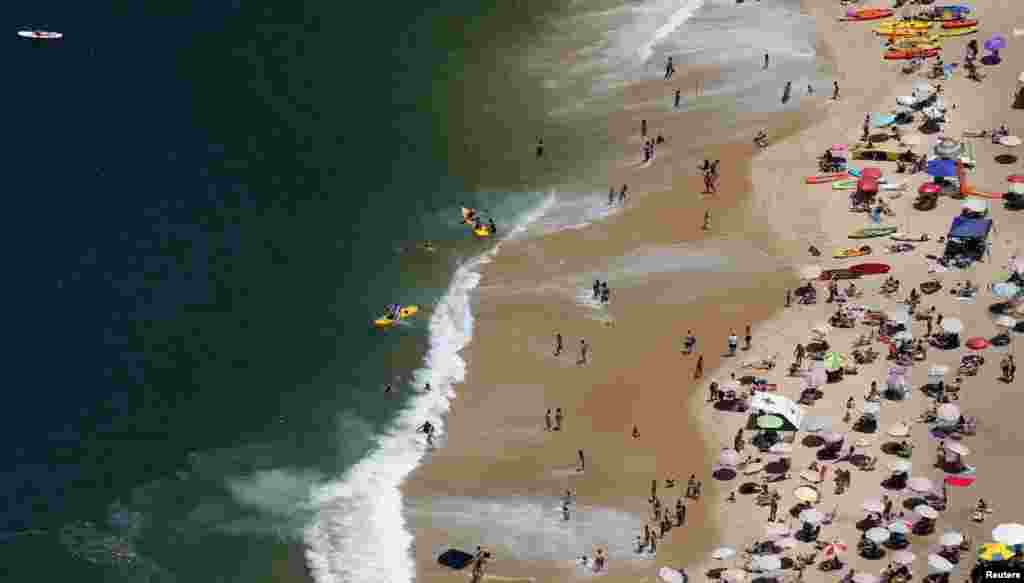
40 34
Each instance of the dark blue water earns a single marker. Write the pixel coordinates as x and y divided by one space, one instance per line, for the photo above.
203 206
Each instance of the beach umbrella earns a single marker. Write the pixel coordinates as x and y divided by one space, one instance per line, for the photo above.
816 424
833 437
729 457
951 539
833 361
873 505
996 43
834 548
901 466
948 412
865 578
952 326
929 188
899 430
903 557
871 172
920 485
925 511
806 494
976 343
723 553
810 272
1005 290
670 575
766 563
781 448
898 316
734 576
939 564
995 552
1010 141
787 543
942 168
770 422
838 147
899 527
933 112
877 535
957 448
812 516
1009 534
871 409
774 531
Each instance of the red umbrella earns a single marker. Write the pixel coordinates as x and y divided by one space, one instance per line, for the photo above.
929 188
871 173
960 481
834 548
867 184
977 343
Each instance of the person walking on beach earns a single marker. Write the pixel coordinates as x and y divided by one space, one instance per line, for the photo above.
636 432
713 395
747 338
643 128
583 461
766 60
835 90
596 288
789 298
583 352
707 221
733 343
810 89
622 194
1013 370
689 342
799 354
738 442
680 512
611 196
691 485
773 511
699 371
678 97
547 421
670 69
540 147
558 343
559 416
787 91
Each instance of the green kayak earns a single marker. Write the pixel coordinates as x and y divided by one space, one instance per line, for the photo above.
870 232
844 184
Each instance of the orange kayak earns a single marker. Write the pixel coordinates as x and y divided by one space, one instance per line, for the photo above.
830 177
959 23
868 14
892 55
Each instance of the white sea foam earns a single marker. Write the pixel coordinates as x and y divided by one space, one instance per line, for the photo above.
359 533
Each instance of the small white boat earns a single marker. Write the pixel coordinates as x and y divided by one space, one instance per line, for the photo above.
40 34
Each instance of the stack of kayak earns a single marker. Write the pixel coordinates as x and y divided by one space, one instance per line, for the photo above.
915 53
855 14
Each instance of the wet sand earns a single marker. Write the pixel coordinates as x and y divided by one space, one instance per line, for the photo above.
496 446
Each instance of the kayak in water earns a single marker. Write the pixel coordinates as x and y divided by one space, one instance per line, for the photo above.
393 316
40 34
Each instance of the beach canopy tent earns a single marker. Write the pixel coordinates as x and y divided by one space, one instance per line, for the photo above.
967 237
764 404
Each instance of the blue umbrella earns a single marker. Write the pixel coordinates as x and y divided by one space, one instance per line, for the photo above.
996 43
942 168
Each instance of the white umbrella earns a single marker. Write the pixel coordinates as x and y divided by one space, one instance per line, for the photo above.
932 112
812 516
810 272
952 326
873 505
939 564
1006 321
729 457
901 466
899 430
925 511
781 448
898 527
1009 534
865 578
957 448
938 370
948 412
669 575
1005 290
787 543
766 563
877 535
951 539
871 408
920 485
903 557
723 553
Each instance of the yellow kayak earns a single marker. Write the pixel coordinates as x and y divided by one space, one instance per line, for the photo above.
482 232
958 31
386 320
912 24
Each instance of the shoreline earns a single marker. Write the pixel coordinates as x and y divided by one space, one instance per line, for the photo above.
457 467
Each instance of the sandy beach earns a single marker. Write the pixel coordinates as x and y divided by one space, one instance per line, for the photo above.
498 477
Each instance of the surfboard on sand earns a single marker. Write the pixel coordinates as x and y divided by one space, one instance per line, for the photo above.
40 34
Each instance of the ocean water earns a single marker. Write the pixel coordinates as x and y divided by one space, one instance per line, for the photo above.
207 204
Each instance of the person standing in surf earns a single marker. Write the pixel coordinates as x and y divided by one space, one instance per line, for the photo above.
670 69
540 147
558 343
678 98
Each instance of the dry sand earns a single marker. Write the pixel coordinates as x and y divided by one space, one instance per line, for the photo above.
496 449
